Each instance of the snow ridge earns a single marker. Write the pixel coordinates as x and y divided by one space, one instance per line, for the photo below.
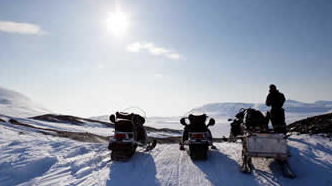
16 104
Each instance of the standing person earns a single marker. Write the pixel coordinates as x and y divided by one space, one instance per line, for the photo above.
276 100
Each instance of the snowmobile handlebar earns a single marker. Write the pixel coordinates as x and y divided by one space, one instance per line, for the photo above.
183 121
211 122
135 118
112 118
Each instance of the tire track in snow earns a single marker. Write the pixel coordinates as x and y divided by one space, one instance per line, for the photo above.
175 167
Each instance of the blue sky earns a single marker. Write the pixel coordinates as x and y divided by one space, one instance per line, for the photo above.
174 55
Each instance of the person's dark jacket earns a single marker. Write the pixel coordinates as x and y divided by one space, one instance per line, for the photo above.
275 99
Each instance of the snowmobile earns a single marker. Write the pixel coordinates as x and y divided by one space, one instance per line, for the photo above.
128 135
251 126
197 135
249 119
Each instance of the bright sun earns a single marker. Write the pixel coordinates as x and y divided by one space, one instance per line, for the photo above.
117 22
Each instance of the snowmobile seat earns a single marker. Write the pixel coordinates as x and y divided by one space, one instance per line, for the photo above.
131 123
197 123
124 126
255 120
126 122
124 115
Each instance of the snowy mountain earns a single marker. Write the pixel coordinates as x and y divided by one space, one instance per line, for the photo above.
294 111
221 109
16 104
326 103
291 107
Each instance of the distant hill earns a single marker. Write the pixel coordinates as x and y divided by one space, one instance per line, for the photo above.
326 103
18 105
313 125
291 107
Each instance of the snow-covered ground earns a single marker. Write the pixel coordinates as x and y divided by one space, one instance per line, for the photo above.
29 158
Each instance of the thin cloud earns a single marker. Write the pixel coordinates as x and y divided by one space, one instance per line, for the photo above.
154 50
173 56
162 76
158 75
100 66
20 28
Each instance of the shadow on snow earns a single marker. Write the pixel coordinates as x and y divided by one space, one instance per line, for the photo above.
140 170
222 170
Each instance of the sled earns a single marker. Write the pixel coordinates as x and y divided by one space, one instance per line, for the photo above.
266 145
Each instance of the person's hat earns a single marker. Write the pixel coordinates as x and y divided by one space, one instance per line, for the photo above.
272 86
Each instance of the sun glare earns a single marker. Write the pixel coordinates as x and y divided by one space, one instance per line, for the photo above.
117 23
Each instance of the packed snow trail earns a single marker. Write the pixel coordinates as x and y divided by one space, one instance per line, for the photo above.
29 158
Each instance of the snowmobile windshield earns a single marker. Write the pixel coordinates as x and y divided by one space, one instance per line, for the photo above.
196 112
199 116
135 110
